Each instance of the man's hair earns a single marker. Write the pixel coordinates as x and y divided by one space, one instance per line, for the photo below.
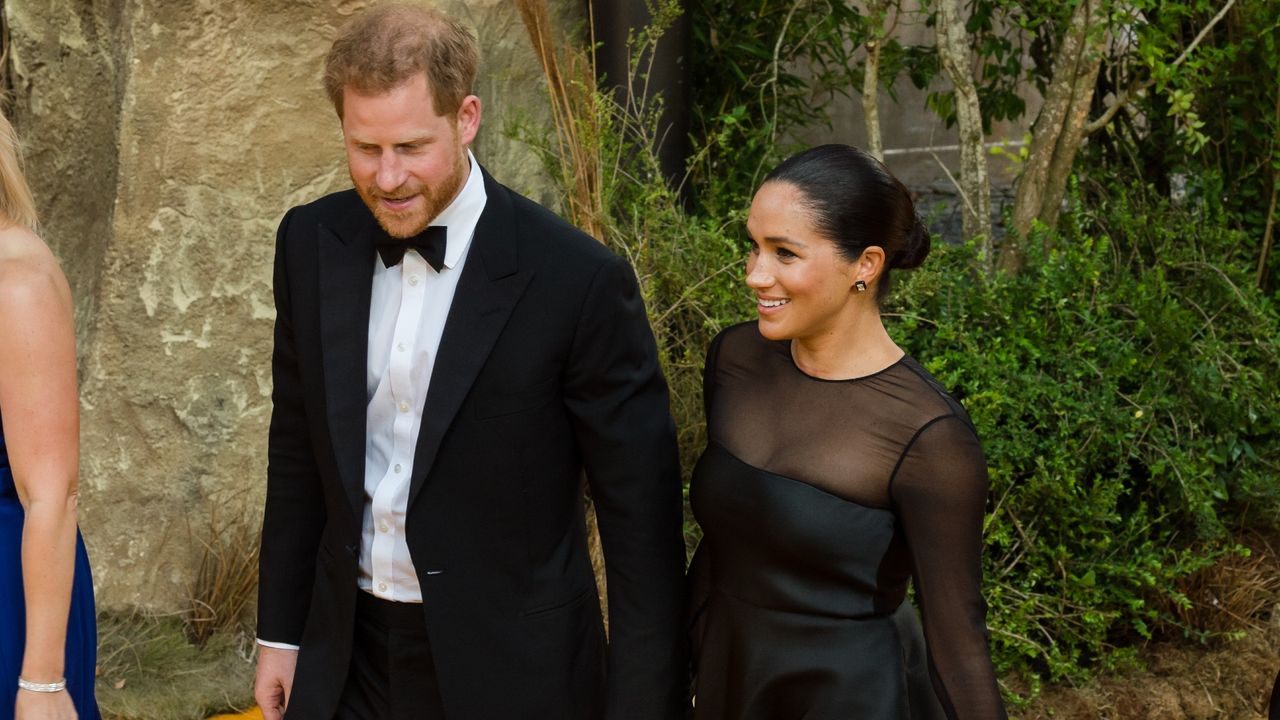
384 46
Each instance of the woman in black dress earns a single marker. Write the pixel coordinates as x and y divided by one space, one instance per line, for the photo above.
836 470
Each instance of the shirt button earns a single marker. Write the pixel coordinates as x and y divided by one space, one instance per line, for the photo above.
382 587
413 279
404 407
401 347
397 467
382 527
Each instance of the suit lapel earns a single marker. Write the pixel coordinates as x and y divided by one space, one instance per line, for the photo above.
346 282
490 285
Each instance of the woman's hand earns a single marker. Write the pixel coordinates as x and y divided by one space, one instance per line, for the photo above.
44 706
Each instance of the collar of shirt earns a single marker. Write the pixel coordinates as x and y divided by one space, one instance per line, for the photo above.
462 215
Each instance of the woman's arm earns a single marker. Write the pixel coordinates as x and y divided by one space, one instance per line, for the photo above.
40 411
940 494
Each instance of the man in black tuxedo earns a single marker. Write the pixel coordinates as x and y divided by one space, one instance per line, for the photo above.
423 549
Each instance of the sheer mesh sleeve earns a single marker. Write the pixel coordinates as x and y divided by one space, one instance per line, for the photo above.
940 491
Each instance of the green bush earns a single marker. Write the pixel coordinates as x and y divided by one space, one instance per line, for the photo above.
1124 388
1123 384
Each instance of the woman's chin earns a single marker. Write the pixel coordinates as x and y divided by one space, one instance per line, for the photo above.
771 329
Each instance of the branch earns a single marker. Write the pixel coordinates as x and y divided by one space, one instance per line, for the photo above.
1216 18
777 53
963 195
1121 101
1127 95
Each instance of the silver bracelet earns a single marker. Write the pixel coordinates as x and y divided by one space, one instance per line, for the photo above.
52 687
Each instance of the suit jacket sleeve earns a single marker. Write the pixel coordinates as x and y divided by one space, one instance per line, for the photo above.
295 514
615 391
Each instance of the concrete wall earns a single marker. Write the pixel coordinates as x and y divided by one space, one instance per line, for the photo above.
165 139
917 143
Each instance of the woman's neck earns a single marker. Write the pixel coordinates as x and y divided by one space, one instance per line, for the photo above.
850 350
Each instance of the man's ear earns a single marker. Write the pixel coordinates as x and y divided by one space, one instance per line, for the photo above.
468 119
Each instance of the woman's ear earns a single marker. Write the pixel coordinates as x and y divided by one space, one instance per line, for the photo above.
868 268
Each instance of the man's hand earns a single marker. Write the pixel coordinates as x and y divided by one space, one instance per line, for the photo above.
274 683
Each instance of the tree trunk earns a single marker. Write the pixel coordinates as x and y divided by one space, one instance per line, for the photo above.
1058 130
1064 155
975 190
877 10
870 90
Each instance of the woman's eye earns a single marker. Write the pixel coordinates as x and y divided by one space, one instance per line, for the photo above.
786 254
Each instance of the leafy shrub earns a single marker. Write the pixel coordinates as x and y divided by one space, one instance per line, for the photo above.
1123 384
1124 387
759 73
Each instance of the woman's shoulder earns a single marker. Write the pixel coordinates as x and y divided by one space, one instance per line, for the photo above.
737 344
741 336
29 273
931 392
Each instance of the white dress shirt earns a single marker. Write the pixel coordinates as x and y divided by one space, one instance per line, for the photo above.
407 311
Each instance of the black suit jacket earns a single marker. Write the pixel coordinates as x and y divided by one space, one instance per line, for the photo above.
547 367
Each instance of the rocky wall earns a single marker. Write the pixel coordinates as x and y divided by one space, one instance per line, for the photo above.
166 138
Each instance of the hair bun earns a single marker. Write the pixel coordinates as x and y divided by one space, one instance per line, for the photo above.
915 246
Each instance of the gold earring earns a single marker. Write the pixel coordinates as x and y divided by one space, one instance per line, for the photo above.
861 285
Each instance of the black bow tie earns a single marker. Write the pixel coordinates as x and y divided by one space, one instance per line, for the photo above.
429 243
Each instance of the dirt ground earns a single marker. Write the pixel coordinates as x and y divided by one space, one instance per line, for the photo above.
1180 682
1189 681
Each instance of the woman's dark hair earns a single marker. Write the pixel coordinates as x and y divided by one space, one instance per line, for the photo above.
854 201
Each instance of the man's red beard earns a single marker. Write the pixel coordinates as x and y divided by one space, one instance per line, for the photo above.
418 216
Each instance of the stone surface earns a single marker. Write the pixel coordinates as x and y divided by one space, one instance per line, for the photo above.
63 69
165 141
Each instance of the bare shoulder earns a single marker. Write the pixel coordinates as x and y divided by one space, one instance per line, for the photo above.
29 273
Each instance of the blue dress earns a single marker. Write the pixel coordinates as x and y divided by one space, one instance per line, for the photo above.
82 631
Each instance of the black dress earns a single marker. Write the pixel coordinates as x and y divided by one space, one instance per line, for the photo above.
818 501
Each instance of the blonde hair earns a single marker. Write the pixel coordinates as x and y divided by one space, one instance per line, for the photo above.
386 45
17 207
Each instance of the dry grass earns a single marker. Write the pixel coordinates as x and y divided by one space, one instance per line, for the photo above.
570 72
149 670
226 581
1236 601
192 664
1234 594
1181 681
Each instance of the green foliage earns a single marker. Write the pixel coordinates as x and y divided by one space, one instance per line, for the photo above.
1003 33
1211 122
758 71
1124 390
1203 90
1124 384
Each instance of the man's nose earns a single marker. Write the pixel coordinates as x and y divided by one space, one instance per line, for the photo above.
391 173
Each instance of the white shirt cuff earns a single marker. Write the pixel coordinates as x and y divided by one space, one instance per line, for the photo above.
277 645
